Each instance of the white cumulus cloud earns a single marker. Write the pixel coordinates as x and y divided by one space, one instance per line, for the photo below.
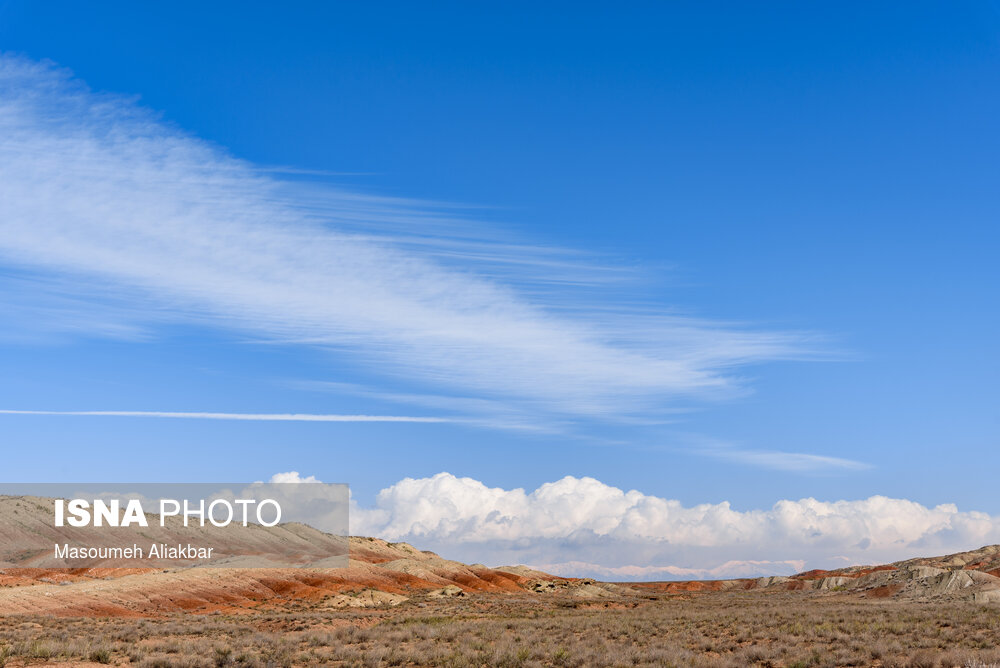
292 477
585 527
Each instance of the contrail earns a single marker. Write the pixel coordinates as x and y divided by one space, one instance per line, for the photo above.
267 417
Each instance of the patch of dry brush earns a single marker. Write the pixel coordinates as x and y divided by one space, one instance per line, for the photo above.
713 629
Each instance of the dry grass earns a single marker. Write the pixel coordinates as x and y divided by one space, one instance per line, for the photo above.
720 629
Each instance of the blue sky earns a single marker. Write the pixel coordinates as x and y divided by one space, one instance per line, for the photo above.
710 252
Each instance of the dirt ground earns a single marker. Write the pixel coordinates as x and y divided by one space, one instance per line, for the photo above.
732 628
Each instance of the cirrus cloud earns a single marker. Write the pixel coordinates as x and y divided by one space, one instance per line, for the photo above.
102 203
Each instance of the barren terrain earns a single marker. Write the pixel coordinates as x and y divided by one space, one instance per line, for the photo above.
397 605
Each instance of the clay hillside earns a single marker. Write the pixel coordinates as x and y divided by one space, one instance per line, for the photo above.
973 575
28 531
378 573
386 574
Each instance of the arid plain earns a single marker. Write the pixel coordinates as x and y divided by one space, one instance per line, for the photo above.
399 606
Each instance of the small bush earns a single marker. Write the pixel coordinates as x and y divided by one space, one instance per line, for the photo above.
102 655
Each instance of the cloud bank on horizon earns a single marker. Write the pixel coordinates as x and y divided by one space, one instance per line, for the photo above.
631 535
116 221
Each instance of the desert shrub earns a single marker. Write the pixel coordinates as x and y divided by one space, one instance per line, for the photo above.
102 655
159 662
923 659
223 657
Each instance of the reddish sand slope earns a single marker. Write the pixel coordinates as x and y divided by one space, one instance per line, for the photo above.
392 568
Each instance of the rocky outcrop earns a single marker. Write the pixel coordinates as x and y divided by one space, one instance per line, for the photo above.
969 575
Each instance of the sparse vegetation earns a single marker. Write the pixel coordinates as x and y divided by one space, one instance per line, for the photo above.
102 655
754 628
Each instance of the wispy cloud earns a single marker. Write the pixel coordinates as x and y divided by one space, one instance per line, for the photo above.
262 417
778 460
699 445
98 194
791 461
